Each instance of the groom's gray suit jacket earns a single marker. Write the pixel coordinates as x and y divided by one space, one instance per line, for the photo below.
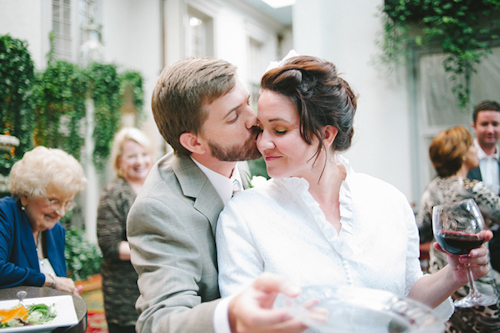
171 231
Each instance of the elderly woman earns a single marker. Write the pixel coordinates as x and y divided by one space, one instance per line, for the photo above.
453 154
43 184
131 156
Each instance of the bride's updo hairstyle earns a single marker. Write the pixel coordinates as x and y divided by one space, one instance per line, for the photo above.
321 97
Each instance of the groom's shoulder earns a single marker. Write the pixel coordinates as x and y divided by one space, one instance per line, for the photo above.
162 170
162 179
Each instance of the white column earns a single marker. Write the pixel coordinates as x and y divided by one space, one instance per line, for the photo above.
175 11
92 191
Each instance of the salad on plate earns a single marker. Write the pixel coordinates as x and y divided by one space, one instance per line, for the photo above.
21 315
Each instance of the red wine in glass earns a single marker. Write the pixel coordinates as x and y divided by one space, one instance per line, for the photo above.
456 242
456 228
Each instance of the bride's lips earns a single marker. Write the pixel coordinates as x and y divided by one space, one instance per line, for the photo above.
271 157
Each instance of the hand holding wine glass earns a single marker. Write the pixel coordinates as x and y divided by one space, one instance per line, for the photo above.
458 229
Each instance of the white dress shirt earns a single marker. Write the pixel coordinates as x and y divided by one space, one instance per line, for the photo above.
488 165
224 187
377 247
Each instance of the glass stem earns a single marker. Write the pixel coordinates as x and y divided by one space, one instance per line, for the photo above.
472 291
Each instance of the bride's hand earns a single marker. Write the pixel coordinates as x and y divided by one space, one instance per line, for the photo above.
477 259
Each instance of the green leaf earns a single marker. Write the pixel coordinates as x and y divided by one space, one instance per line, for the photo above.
418 40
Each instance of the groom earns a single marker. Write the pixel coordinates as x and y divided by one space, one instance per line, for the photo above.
202 110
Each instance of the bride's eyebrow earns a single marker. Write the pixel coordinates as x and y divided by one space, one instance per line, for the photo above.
279 119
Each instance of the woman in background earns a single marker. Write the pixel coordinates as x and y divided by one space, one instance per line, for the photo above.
43 184
453 154
131 156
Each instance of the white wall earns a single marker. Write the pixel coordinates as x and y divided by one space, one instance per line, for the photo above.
131 33
233 31
231 41
234 21
28 20
344 32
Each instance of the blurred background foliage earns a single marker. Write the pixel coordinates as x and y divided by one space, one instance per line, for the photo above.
17 78
463 29
83 258
48 107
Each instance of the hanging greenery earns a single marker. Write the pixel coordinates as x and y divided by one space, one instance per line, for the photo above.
133 80
462 28
60 107
49 108
16 107
105 91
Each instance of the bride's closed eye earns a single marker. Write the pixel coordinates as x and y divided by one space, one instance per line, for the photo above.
280 130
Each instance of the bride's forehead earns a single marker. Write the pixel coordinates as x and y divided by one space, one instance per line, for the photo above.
271 102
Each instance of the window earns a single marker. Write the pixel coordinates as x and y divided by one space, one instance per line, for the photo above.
61 26
199 34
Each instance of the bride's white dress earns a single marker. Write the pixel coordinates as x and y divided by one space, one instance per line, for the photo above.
278 227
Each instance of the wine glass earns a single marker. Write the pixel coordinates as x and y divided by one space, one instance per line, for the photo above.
458 229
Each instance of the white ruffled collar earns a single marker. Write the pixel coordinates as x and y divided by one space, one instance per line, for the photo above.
299 188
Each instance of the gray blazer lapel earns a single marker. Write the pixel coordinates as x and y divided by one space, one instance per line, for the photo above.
196 185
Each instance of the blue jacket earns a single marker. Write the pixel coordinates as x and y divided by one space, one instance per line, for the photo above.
19 264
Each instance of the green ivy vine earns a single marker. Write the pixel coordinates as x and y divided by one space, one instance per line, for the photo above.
48 108
17 77
133 80
105 91
60 107
462 28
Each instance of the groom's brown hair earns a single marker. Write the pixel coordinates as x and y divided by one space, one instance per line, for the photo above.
181 92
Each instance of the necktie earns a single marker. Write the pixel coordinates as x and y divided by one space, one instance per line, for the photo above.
236 187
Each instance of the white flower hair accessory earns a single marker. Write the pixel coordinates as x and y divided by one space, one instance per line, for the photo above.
276 64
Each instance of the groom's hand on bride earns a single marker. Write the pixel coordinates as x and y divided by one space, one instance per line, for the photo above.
253 311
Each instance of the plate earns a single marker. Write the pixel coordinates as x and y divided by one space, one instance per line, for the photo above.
65 313
350 309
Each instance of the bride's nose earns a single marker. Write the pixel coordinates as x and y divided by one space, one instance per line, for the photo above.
264 141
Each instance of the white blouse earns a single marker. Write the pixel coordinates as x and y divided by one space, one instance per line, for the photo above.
279 227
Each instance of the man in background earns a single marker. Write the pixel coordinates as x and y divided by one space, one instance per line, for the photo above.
486 124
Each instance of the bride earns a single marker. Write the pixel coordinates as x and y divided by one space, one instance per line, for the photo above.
317 221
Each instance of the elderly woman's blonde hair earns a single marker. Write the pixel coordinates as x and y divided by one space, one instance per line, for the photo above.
42 168
448 148
124 135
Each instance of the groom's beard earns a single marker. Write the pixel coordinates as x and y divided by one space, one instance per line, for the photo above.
234 153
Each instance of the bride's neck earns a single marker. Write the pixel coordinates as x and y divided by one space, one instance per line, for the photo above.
326 191
325 179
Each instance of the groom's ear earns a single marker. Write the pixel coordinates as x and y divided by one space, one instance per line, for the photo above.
192 143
